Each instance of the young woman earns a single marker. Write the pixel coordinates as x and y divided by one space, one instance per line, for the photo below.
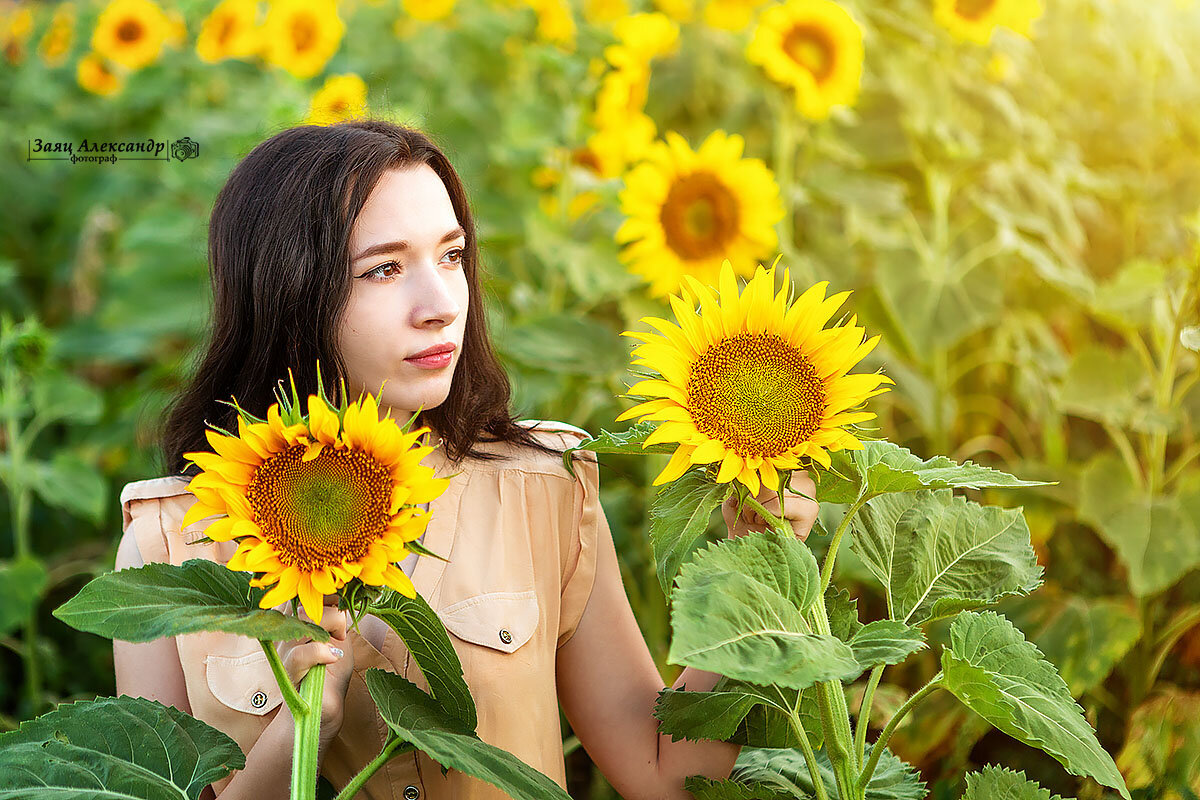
354 244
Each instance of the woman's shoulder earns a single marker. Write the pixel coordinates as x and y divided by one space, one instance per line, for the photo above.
549 432
138 494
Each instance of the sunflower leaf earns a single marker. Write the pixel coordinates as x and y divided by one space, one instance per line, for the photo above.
140 604
997 783
628 441
422 550
892 780
424 634
998 674
738 610
417 718
679 516
881 467
739 712
937 554
885 641
132 746
709 789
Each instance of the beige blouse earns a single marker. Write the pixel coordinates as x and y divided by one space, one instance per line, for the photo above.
521 536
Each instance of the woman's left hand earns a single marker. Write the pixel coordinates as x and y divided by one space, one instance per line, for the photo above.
800 512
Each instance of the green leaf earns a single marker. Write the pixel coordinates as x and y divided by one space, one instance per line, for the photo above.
738 610
89 490
156 600
842 610
1157 539
997 783
21 585
702 715
1084 636
885 641
679 517
882 467
937 554
61 396
1162 747
892 779
995 672
708 789
416 717
627 441
571 342
1101 384
131 744
423 632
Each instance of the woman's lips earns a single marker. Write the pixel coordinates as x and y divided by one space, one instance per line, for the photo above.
432 362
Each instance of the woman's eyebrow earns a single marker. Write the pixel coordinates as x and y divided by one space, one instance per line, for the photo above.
401 244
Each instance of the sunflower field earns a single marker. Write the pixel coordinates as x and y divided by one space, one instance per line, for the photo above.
1009 189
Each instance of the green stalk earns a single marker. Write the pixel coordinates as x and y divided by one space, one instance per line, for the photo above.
864 714
394 746
809 756
835 542
835 717
881 743
308 734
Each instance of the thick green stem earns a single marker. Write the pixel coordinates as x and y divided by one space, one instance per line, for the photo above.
308 735
835 717
295 703
864 714
809 756
394 746
881 743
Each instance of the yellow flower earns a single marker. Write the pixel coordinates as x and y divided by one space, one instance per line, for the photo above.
622 95
687 211
131 32
678 10
16 25
95 75
642 37
428 10
342 97
615 147
976 20
555 23
56 42
314 507
602 12
752 383
230 31
730 15
814 47
302 35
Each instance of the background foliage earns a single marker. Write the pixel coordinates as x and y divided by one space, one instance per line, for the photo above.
1018 220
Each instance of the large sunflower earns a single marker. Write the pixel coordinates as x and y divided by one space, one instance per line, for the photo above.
976 20
753 382
342 97
131 32
314 507
814 47
302 35
688 210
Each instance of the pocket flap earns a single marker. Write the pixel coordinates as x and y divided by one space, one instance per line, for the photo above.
244 683
500 620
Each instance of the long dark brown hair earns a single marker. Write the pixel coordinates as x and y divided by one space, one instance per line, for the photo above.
279 258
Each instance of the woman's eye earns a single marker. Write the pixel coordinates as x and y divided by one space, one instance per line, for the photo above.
376 275
460 255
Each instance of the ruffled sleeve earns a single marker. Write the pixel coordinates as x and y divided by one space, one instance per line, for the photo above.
589 524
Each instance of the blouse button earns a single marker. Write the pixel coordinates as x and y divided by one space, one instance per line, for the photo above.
411 792
258 700
505 636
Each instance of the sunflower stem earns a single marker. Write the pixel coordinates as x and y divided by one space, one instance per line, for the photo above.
836 541
835 716
881 743
295 703
809 756
775 521
394 746
306 743
864 714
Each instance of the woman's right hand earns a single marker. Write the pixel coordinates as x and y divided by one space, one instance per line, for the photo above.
300 655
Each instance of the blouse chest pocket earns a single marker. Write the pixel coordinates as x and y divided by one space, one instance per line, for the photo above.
244 683
500 620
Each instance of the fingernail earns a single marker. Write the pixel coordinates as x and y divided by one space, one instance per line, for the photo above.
337 651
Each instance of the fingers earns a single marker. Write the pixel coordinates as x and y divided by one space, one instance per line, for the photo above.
300 658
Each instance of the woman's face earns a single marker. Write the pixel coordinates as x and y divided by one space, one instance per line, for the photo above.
408 293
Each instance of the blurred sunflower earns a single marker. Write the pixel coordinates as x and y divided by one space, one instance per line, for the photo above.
603 12
730 15
314 508
555 23
814 47
753 382
341 97
230 31
131 32
56 41
95 75
976 20
16 26
642 38
689 210
302 35
678 10
428 10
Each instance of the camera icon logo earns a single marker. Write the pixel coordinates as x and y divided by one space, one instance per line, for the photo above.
185 148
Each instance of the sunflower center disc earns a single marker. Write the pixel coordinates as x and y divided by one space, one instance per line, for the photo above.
130 30
756 394
304 31
810 48
699 216
321 512
973 9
